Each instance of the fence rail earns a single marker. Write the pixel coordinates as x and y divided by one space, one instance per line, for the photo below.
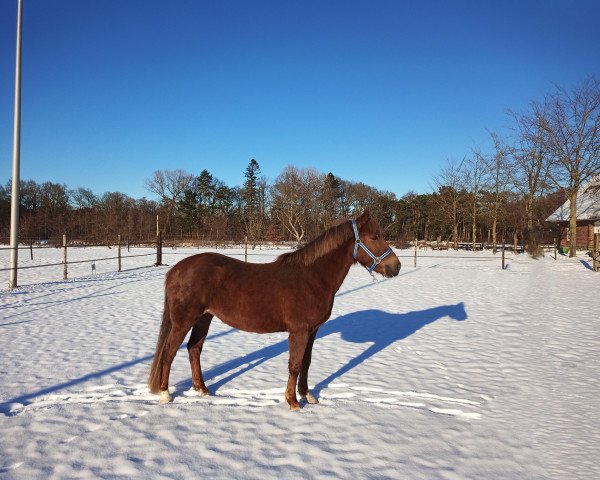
74 262
66 262
157 245
418 250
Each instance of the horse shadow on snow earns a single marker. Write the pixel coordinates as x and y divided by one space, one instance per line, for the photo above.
375 327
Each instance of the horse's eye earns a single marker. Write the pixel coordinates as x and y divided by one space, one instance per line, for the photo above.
375 238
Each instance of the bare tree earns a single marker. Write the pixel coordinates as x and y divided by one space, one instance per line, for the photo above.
498 173
571 122
170 186
296 195
474 180
450 186
287 202
529 161
84 201
359 196
84 198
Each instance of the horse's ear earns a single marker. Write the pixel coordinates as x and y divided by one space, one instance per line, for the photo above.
364 217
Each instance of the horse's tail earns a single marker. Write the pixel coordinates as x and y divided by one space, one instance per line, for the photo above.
156 369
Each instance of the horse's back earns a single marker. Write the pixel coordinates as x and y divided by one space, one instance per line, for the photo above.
208 266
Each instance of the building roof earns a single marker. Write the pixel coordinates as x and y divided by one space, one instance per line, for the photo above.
588 204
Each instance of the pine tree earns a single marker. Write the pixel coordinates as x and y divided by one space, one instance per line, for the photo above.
205 187
251 187
251 196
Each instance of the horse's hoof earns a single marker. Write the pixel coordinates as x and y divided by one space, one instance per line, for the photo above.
165 397
202 392
311 399
294 408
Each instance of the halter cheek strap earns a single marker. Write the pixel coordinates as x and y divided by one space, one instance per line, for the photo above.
358 243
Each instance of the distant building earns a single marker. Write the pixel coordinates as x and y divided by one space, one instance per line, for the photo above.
588 216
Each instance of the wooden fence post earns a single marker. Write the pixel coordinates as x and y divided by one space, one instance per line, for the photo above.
416 243
119 250
503 264
159 249
31 249
246 248
65 273
596 252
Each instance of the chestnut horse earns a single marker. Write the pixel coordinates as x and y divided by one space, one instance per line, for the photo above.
292 294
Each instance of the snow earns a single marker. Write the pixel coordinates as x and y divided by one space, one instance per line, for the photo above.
454 369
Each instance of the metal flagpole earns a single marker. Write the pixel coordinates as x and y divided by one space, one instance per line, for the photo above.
15 196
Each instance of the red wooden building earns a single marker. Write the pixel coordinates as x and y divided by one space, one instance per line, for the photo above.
588 216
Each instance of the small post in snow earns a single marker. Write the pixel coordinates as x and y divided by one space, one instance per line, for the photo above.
119 250
416 243
65 273
503 264
596 252
159 249
246 248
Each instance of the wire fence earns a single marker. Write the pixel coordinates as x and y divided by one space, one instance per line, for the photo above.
159 250
26 253
74 262
67 250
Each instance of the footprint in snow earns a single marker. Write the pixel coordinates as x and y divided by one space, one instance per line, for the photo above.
335 391
421 400
14 466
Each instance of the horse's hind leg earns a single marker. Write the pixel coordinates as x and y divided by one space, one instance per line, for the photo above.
174 341
194 347
303 377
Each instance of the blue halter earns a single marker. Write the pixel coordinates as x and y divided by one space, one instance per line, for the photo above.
376 260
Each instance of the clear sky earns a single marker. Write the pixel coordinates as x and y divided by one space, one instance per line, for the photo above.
375 91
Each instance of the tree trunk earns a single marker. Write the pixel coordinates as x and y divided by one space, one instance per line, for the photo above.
529 212
455 227
573 223
494 233
474 226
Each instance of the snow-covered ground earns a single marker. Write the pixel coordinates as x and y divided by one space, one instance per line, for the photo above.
455 369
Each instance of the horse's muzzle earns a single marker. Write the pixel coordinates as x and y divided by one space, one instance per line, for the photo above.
392 270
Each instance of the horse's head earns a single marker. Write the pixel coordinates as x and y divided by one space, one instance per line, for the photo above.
457 312
370 248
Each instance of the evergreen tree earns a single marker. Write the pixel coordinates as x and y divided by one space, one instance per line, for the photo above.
187 215
250 191
251 194
205 186
331 199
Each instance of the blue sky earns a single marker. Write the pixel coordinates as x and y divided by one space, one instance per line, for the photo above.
381 92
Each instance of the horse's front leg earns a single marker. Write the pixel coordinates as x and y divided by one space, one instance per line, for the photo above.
297 344
303 377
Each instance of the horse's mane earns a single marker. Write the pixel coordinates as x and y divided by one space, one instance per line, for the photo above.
320 246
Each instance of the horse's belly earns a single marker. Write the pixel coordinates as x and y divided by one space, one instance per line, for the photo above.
250 323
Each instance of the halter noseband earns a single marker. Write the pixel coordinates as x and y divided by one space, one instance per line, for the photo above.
376 260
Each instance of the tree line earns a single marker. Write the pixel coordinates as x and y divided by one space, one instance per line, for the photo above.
541 159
